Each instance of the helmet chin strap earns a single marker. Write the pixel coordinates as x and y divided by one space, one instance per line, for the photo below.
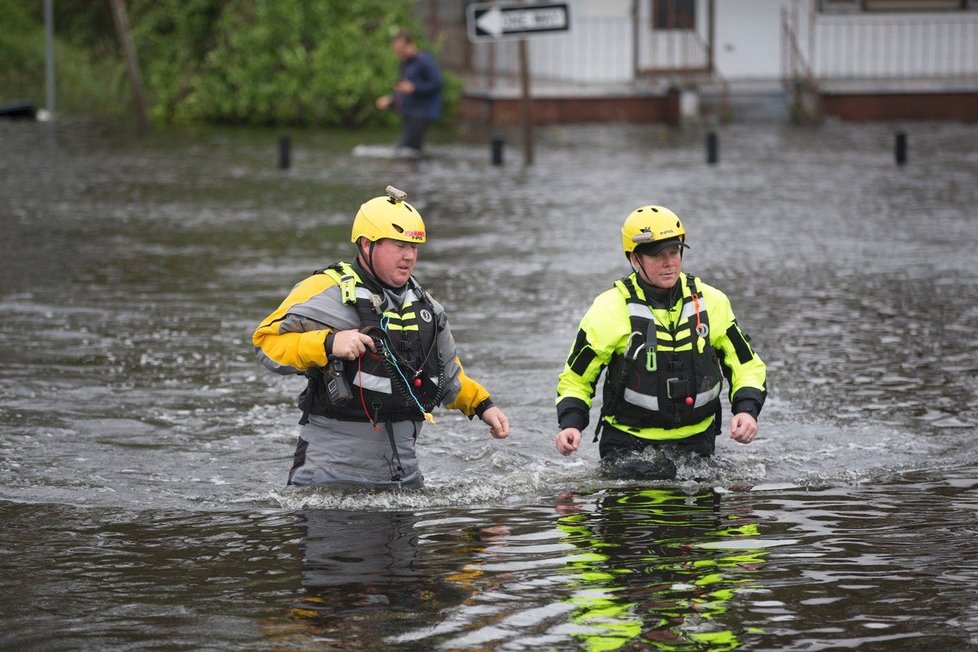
639 269
369 260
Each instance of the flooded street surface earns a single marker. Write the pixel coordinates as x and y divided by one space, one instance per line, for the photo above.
144 453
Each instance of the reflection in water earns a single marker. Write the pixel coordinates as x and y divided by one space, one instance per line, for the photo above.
364 577
95 578
642 576
626 568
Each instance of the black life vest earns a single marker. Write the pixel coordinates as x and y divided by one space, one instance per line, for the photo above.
405 378
669 375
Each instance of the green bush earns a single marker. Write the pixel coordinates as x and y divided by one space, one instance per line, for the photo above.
261 62
251 62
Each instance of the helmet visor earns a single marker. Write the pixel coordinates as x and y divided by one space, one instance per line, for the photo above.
649 247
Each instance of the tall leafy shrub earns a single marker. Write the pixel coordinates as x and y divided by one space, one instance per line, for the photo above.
304 62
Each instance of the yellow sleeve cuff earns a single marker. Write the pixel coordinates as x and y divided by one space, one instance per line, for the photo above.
469 395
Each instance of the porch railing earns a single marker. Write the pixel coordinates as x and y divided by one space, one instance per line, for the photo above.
897 46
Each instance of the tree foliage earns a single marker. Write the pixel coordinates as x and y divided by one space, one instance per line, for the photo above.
258 62
319 62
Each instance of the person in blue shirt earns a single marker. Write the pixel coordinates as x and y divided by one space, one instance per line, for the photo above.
417 93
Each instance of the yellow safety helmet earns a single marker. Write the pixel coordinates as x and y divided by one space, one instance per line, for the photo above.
656 225
389 217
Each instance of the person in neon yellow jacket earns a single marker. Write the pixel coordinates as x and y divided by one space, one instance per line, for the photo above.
378 354
667 340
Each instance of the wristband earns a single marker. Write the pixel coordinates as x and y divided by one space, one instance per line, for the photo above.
482 407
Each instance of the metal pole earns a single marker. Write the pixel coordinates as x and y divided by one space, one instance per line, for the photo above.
901 148
284 153
49 55
497 151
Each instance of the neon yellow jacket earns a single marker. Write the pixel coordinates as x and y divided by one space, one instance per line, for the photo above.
605 334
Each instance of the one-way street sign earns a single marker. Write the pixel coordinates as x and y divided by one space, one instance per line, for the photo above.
489 22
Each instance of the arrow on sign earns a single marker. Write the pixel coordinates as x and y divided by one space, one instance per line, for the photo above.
490 22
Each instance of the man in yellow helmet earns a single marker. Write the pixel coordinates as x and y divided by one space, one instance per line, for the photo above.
667 340
378 353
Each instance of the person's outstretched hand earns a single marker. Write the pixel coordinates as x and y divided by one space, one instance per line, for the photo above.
497 421
568 440
743 428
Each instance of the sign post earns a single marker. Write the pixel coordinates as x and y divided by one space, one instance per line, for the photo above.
493 22
527 107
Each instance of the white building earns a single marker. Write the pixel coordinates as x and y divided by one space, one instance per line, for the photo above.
815 55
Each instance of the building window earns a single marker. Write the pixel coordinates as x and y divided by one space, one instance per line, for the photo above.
892 6
673 14
839 6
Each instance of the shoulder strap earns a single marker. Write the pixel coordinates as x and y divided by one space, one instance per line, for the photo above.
699 320
345 277
419 291
626 285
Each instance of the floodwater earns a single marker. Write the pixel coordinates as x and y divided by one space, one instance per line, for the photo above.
143 453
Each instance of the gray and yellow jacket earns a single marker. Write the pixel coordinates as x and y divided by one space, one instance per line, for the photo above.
293 339
665 364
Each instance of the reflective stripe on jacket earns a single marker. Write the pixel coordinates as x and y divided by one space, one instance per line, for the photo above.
667 377
291 339
645 393
405 377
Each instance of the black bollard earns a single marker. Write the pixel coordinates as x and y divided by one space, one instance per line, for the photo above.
901 148
284 153
497 151
712 148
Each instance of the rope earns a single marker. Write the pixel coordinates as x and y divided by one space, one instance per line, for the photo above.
407 385
363 401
